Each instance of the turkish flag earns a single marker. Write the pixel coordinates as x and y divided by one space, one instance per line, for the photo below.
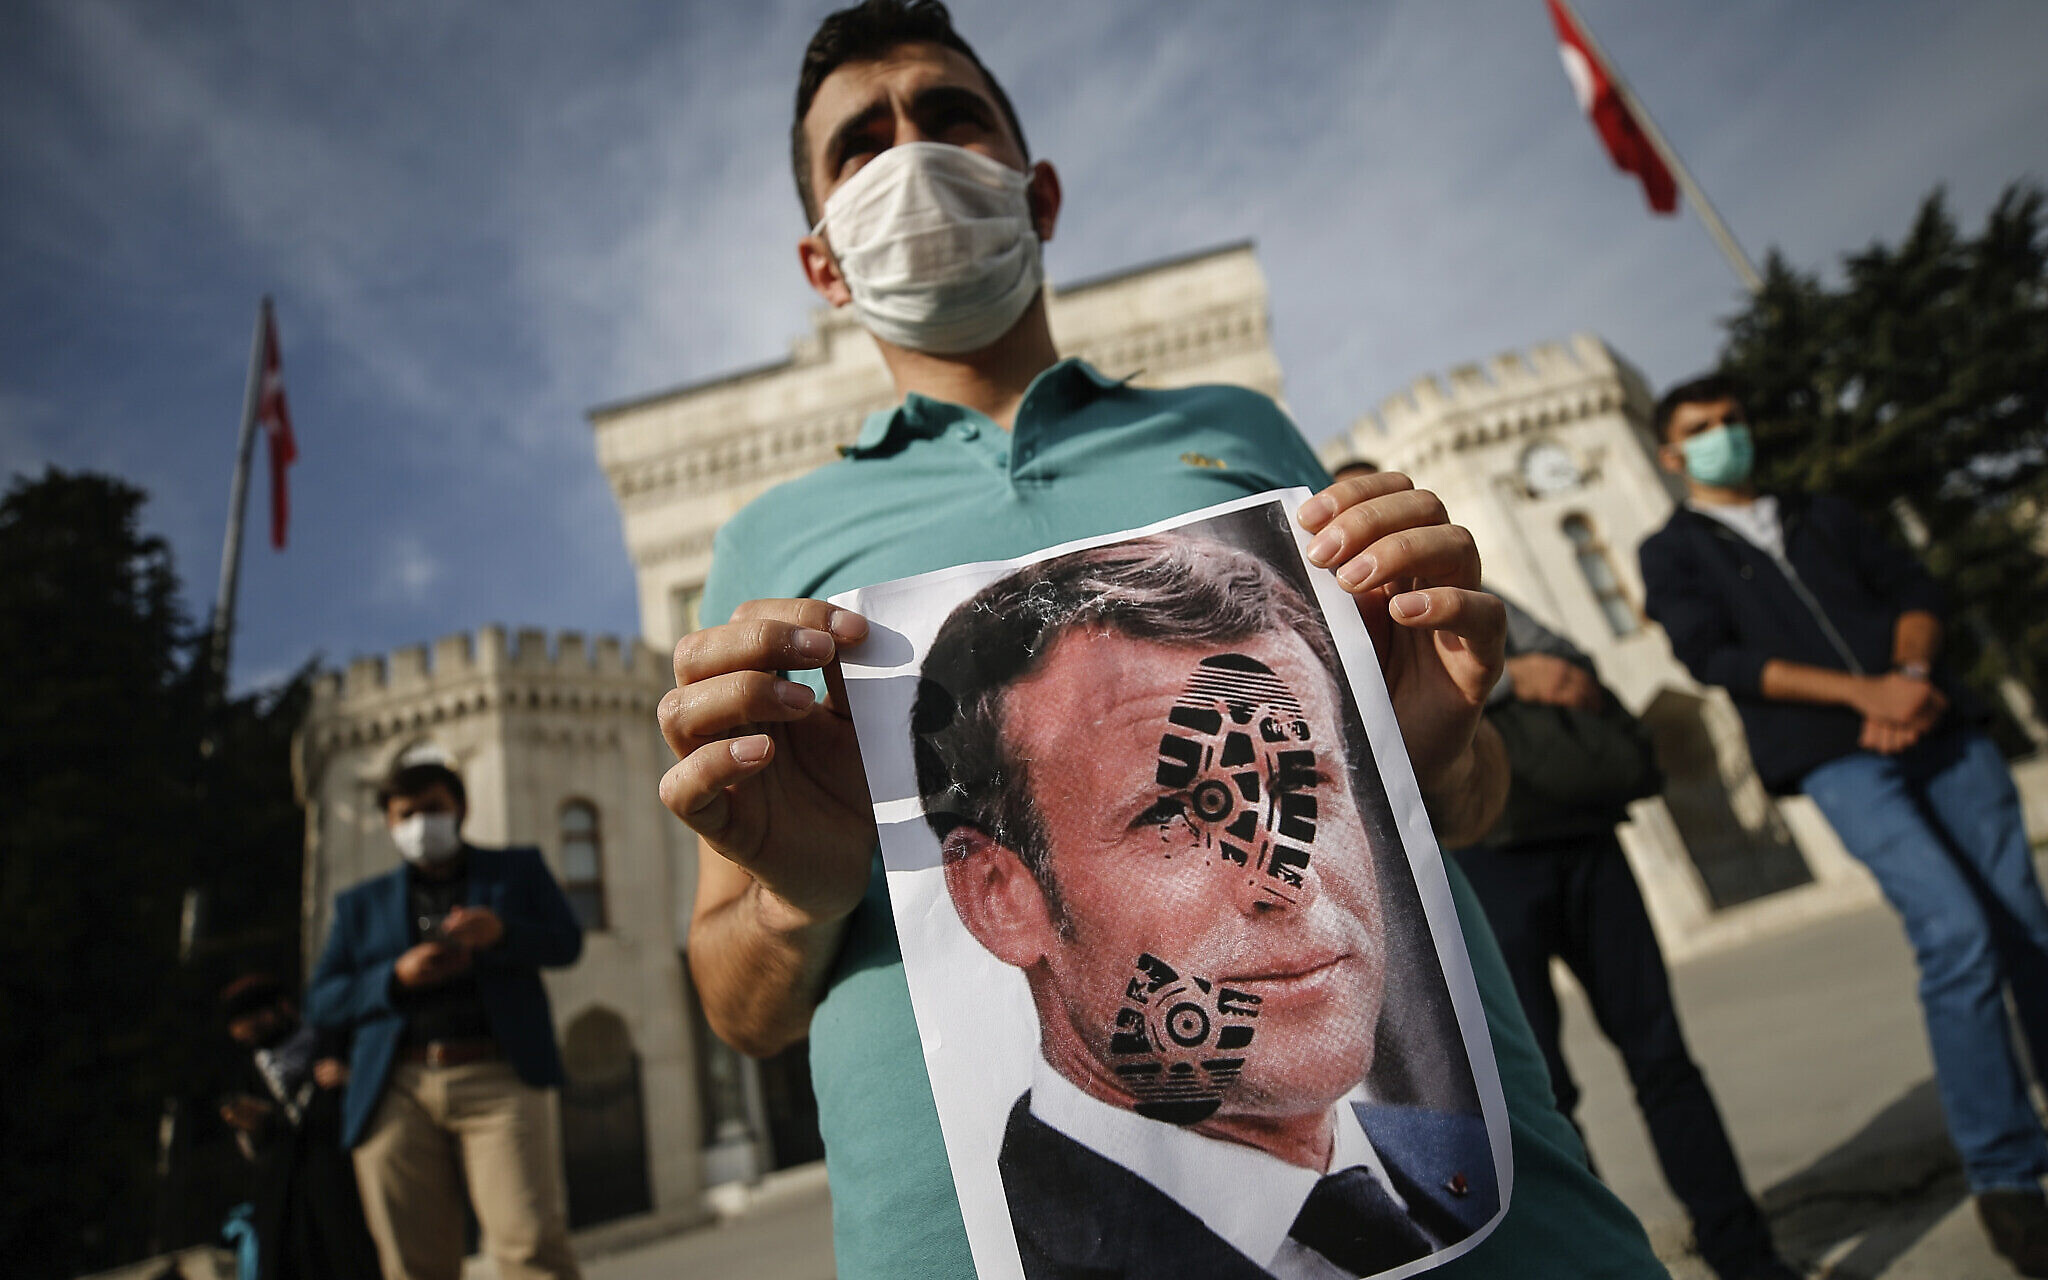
1617 128
275 418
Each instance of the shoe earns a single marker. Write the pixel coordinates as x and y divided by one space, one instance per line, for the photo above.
2017 1222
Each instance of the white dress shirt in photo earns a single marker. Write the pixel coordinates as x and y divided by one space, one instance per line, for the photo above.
1242 1194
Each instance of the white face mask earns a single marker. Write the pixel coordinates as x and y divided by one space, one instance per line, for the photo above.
936 243
426 839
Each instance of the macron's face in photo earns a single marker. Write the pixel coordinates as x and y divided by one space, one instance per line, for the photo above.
1216 946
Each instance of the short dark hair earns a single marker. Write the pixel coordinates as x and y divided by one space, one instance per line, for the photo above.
1168 588
414 780
1356 464
249 994
863 33
1705 389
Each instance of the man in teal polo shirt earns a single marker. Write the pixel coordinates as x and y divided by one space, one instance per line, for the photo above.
927 219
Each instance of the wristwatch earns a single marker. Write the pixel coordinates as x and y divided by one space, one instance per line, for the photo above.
1914 670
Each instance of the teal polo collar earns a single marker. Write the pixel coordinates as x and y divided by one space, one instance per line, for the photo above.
1071 384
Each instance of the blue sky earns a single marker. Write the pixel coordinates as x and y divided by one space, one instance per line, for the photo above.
480 219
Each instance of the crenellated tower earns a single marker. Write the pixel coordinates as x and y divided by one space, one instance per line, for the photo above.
1544 454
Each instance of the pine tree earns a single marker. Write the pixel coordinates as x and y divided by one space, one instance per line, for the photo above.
1916 387
113 811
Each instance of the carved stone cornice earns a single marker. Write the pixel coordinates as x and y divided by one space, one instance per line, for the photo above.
695 543
736 456
1518 393
1199 338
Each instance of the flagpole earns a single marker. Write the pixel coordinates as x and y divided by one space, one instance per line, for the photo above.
1724 239
238 501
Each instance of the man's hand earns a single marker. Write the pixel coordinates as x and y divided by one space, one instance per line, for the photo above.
769 776
1901 700
1898 710
245 1112
1441 640
474 927
1553 681
428 963
330 1073
1885 738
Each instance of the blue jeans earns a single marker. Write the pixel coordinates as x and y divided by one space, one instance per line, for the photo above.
1940 827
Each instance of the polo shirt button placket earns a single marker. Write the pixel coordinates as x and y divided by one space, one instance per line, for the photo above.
1022 453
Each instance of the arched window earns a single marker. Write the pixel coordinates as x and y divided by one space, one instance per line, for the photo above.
604 1125
583 863
683 603
1598 571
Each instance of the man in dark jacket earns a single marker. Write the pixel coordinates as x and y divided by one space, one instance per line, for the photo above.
308 1219
434 968
1554 882
1827 638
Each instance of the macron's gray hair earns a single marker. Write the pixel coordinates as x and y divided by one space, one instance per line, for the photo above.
1165 588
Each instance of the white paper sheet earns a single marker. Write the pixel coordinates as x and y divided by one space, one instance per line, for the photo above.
1430 1051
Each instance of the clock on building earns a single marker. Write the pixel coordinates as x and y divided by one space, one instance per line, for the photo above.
1547 469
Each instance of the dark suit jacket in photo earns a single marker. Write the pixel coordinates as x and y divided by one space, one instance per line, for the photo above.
1079 1215
352 986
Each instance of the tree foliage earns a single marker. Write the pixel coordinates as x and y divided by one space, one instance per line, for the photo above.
1916 387
128 782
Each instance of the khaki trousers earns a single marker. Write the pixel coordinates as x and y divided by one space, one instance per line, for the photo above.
433 1127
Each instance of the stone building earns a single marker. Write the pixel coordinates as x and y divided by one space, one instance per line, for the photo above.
1544 454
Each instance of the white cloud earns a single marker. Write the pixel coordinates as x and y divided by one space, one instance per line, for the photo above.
411 571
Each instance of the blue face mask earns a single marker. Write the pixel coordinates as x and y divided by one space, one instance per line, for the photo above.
1722 457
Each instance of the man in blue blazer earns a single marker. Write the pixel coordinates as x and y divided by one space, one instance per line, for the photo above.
434 968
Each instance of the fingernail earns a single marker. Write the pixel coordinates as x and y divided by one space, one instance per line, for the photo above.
1328 545
847 625
749 750
1315 511
1411 605
1355 573
795 696
816 645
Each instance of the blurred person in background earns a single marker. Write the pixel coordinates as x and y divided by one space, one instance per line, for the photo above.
1828 638
307 1215
1554 881
434 969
